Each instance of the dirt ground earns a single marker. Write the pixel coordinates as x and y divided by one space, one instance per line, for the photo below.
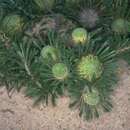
17 113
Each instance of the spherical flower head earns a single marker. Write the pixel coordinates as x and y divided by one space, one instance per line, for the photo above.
12 24
60 71
89 67
120 26
89 18
91 98
44 4
50 53
79 36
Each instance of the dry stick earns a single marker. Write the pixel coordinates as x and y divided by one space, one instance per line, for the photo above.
122 50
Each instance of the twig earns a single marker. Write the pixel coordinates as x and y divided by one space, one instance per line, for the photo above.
123 50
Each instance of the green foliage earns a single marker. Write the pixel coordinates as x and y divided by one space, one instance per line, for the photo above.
122 46
53 81
116 16
23 7
44 5
93 105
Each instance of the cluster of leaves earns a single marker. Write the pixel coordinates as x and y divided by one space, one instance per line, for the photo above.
23 63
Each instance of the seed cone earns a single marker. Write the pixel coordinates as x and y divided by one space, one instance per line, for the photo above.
88 18
90 67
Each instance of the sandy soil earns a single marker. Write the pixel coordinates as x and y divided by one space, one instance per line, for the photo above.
17 113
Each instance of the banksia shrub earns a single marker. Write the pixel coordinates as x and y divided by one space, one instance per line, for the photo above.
68 2
94 69
91 103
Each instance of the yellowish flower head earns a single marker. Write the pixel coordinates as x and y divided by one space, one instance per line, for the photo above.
44 4
89 67
91 98
60 71
79 36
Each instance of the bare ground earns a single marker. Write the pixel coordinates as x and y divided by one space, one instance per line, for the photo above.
17 113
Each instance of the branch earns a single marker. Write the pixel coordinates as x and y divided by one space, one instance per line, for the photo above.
123 50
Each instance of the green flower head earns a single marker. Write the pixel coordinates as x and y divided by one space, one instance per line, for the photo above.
12 24
60 71
121 26
50 53
44 4
89 67
79 36
91 98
